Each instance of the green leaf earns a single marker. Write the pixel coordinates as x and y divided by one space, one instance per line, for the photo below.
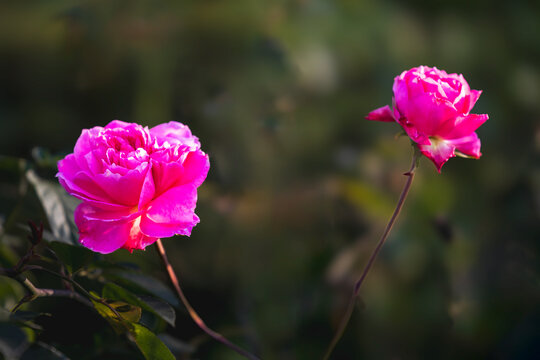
177 347
128 314
145 284
8 257
43 351
148 303
13 341
160 308
73 256
150 345
55 207
22 318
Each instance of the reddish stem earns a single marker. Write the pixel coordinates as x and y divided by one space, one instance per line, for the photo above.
196 318
350 307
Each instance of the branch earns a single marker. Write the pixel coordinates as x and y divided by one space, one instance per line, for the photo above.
35 292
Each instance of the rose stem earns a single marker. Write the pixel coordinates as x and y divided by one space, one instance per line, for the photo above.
196 318
350 307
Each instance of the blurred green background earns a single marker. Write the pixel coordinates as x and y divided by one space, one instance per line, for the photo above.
300 185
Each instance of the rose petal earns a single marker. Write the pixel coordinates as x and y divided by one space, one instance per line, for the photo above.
157 230
401 92
196 168
101 236
461 126
115 124
461 101
137 240
104 236
468 145
76 180
381 114
84 145
96 213
193 169
439 151
475 94
123 189
171 213
427 113
166 175
175 133
148 189
411 130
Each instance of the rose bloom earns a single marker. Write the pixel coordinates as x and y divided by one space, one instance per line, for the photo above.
136 184
433 108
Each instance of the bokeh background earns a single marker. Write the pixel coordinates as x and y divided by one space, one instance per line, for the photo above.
300 185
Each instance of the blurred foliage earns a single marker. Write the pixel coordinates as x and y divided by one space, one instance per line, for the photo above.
300 185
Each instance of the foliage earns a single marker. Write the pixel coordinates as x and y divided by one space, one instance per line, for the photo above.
133 316
300 185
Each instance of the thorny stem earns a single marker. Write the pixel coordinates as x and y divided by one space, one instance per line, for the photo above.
83 290
196 318
35 292
350 307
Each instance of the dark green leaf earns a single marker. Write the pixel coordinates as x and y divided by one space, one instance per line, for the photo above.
146 284
20 315
54 206
177 347
22 318
129 314
43 351
148 303
8 257
160 308
13 341
150 345
73 256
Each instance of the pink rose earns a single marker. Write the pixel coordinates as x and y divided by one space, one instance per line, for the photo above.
136 184
433 108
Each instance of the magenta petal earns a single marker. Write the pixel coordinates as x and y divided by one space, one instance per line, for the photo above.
68 165
115 124
468 145
106 236
439 152
81 186
196 168
193 169
381 114
462 101
138 240
475 94
96 213
171 213
166 175
411 130
462 126
174 133
86 143
76 180
157 230
100 236
148 189
123 189
427 113
401 94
